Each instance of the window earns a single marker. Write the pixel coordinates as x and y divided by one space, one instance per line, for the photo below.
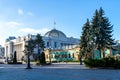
69 56
47 44
55 44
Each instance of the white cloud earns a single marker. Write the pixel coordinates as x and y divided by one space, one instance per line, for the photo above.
20 12
10 24
34 31
13 24
8 29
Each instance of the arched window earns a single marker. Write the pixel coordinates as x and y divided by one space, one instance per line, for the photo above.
69 56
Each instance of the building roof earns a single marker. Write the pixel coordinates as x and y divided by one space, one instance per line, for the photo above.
55 33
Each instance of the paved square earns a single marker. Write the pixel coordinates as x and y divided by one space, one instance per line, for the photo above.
56 72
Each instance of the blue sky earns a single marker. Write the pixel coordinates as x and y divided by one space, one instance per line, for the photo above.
20 17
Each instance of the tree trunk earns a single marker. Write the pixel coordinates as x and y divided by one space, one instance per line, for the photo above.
28 61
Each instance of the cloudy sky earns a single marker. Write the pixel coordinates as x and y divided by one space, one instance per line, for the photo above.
22 17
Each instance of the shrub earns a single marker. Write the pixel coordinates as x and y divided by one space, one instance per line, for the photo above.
42 58
103 63
117 64
89 62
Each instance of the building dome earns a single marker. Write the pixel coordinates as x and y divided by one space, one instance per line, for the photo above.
55 33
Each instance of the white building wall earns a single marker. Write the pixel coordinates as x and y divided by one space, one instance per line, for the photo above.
18 44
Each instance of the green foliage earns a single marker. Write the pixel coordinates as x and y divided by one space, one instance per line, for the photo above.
86 38
117 64
42 58
29 47
97 34
102 63
39 44
102 31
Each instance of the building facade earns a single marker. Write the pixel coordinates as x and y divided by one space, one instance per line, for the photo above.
62 55
54 40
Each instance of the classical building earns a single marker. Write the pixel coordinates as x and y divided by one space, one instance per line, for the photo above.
55 40
63 55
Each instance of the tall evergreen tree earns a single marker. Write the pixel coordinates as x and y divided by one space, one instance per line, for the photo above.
39 44
85 39
102 31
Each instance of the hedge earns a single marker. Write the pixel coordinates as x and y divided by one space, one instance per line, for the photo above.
102 63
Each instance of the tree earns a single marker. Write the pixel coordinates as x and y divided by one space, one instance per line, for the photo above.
102 31
97 34
42 58
39 44
85 39
29 47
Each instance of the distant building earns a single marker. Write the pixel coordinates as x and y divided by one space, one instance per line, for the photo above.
54 40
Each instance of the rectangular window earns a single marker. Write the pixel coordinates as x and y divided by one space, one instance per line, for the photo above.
47 44
55 44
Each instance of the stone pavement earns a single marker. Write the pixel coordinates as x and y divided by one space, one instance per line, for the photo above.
56 71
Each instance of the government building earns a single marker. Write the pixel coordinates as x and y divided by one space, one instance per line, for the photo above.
58 47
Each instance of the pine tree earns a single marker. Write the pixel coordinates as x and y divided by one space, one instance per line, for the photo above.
102 31
85 39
